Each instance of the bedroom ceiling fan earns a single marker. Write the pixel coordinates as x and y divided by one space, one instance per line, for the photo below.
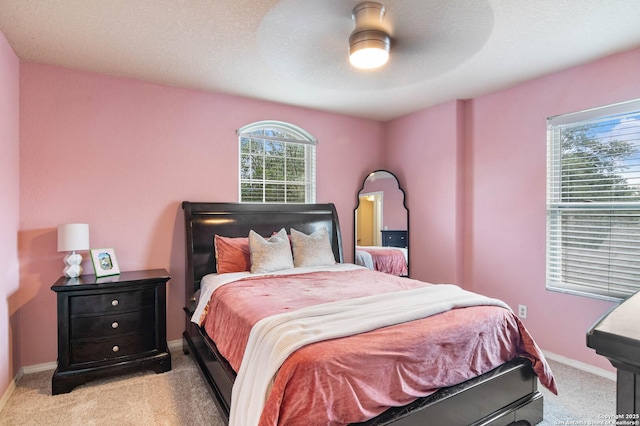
405 42
369 43
307 44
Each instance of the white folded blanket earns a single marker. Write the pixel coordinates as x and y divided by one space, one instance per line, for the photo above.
274 338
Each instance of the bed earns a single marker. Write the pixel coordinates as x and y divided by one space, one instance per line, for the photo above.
390 260
503 395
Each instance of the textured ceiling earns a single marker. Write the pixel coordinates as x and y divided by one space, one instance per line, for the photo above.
295 51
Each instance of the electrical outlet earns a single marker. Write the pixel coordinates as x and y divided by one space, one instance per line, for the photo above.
522 311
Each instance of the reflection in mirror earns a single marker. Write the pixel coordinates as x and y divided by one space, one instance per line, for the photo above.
382 225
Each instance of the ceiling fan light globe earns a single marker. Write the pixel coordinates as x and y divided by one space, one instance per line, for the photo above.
369 58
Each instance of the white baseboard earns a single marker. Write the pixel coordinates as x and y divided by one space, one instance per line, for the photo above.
8 393
175 345
39 367
581 365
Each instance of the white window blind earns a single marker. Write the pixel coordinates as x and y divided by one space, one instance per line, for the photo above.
593 202
277 163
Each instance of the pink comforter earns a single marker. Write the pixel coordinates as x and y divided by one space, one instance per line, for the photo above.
388 260
353 379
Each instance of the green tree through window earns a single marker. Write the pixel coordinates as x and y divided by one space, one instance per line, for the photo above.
593 170
277 163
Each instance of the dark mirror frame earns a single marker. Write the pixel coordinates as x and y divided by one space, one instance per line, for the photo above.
355 214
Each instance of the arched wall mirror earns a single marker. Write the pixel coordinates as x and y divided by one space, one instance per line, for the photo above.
381 225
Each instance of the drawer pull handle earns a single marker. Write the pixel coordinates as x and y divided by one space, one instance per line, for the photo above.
115 324
115 348
114 302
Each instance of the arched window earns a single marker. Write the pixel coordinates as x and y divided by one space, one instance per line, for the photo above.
277 163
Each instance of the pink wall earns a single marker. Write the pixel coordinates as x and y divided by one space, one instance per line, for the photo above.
424 150
121 155
491 168
506 195
9 200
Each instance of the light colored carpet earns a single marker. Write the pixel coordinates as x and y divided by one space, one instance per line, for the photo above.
179 397
583 398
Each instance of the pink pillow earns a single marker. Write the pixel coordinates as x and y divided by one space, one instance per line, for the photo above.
232 254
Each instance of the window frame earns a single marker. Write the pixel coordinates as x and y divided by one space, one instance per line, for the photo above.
558 236
299 138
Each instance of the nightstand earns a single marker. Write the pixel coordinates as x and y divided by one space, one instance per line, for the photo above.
109 326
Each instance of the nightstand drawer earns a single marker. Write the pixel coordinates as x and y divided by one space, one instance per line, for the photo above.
106 349
111 302
142 321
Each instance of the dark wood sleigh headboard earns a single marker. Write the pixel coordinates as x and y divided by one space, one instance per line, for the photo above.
204 220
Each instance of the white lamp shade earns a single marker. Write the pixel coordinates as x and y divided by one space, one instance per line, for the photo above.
73 236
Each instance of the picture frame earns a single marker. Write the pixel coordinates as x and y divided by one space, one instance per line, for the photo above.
104 262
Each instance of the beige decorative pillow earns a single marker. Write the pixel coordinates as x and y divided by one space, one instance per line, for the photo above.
268 255
312 250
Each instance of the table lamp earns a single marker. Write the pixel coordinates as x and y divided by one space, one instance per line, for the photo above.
72 237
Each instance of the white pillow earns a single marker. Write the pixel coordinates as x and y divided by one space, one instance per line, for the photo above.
268 255
312 250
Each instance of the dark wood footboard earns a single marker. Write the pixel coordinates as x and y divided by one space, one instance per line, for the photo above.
506 395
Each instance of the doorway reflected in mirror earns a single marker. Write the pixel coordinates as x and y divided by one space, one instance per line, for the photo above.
381 225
